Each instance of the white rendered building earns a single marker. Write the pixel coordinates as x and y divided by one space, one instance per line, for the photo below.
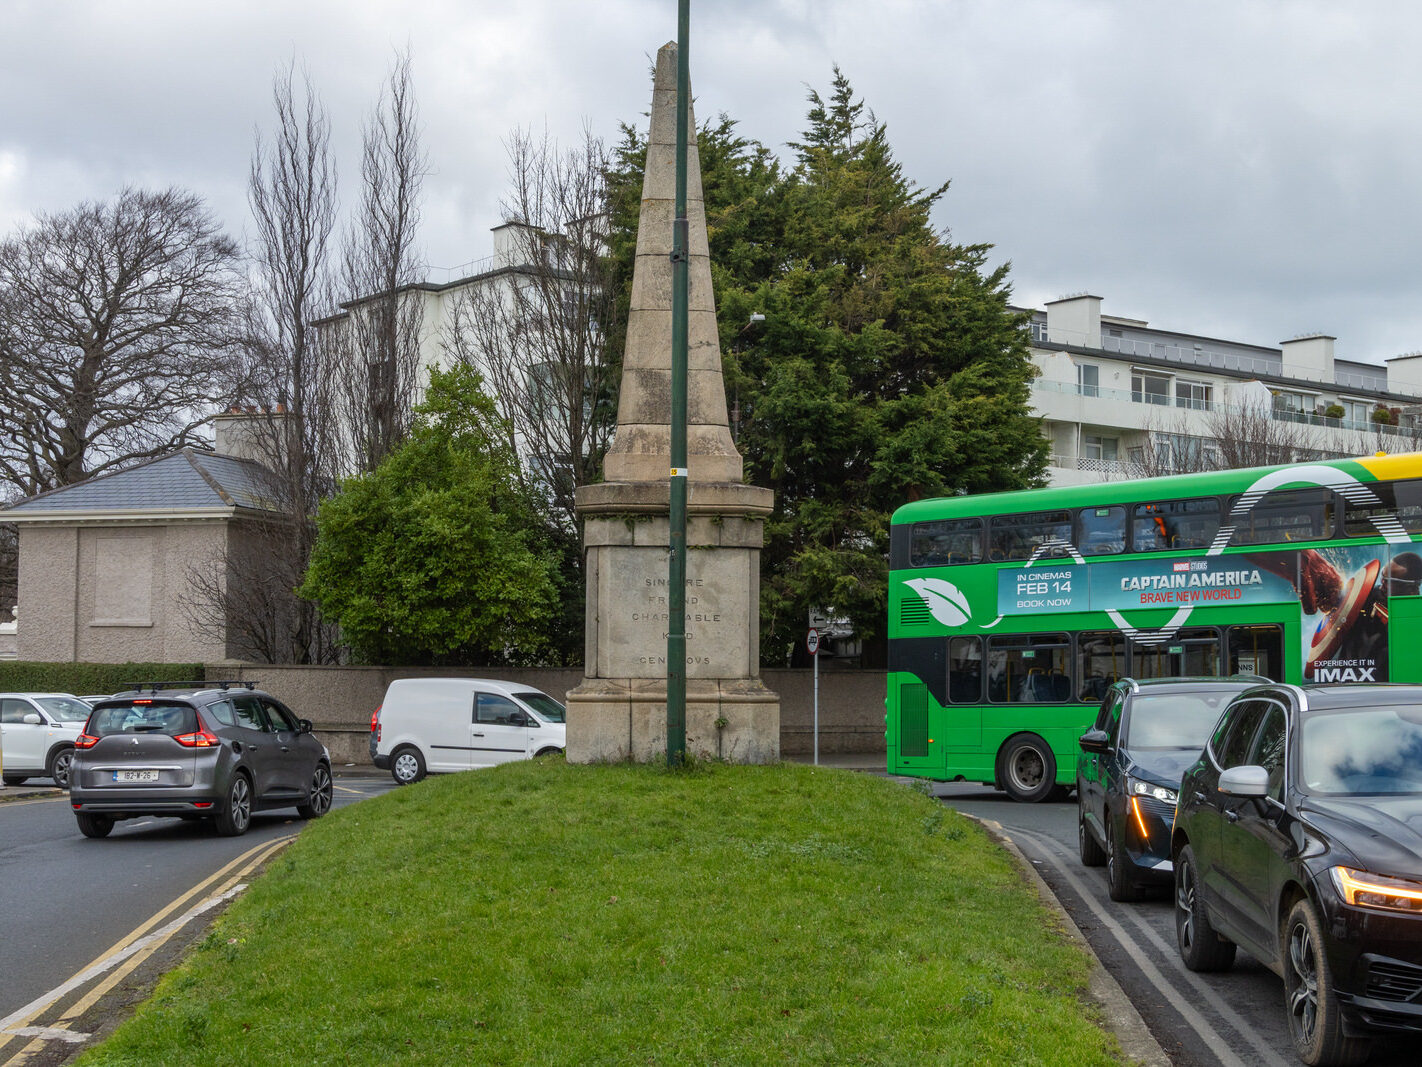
1118 398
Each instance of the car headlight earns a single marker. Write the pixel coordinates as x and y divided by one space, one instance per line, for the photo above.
1364 889
1138 788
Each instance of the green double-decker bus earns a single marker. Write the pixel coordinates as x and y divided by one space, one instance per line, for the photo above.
1011 613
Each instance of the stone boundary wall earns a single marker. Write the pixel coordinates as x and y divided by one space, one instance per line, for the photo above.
339 701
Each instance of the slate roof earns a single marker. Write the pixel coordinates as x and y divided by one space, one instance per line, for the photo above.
187 480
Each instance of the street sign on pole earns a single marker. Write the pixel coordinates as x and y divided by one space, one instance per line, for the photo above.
812 642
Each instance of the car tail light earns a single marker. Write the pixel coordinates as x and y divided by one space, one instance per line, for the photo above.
85 740
375 721
197 739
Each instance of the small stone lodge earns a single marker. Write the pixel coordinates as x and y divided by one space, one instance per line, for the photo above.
104 564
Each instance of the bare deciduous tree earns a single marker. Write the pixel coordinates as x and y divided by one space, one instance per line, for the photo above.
379 337
249 590
120 324
539 336
9 569
1250 434
1253 435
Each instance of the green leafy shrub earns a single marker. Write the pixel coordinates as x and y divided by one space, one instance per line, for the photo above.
17 676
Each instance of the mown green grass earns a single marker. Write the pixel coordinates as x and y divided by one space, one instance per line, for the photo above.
542 913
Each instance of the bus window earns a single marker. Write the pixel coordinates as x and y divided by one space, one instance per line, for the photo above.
1257 650
1289 515
965 670
936 544
1100 660
1402 500
1171 525
1193 652
1028 669
1103 531
1018 536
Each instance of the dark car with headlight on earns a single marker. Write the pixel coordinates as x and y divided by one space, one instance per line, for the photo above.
1299 839
218 753
1128 773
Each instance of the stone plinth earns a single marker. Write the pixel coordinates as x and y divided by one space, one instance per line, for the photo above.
620 710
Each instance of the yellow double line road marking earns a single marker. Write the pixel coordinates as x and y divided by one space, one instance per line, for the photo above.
125 956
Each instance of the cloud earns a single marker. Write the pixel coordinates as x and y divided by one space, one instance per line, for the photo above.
1237 168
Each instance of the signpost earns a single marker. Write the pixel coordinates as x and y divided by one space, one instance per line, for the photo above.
812 642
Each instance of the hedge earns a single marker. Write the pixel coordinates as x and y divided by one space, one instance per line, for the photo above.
84 679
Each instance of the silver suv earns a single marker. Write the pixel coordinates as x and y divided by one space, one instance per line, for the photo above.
219 753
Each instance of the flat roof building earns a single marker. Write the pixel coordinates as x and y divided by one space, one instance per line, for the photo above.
1120 399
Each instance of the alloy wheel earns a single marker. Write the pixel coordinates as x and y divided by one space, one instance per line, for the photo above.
1303 981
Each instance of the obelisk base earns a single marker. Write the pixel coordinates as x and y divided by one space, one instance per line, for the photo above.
613 720
620 710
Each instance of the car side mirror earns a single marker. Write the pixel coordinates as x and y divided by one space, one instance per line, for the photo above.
1245 781
303 726
518 718
32 719
1097 741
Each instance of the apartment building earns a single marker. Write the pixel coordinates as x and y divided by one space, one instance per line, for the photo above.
1119 399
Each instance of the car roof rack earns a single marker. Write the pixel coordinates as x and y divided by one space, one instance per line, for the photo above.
224 684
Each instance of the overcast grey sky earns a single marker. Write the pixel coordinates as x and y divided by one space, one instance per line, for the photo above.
1246 169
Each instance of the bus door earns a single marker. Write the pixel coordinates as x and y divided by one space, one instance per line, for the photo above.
1191 653
961 729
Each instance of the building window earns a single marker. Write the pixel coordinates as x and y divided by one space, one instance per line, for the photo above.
1094 447
1088 379
1292 403
1355 411
1196 395
1150 387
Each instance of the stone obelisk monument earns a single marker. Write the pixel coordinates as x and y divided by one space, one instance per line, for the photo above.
620 710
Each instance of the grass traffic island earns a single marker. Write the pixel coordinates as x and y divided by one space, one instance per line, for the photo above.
542 913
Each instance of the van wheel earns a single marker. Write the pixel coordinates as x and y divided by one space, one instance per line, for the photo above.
407 766
547 752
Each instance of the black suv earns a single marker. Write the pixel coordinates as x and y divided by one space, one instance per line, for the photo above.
216 753
1299 838
1128 774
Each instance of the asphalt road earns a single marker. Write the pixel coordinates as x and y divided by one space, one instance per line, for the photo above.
1234 1019
70 900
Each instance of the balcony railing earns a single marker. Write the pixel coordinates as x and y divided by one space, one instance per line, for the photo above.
1199 356
1193 404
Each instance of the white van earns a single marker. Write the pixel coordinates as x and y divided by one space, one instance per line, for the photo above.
435 725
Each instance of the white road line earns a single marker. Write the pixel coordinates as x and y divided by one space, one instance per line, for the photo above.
1049 849
51 1033
30 1010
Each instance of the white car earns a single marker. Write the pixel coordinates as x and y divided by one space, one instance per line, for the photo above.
37 734
435 725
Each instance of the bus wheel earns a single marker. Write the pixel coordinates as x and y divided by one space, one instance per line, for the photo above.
1026 768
